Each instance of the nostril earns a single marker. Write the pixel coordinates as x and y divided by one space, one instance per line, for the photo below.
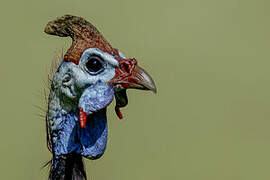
126 67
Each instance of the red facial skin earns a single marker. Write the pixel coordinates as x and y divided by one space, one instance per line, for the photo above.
131 76
124 73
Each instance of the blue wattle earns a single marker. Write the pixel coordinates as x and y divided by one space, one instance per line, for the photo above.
93 137
96 97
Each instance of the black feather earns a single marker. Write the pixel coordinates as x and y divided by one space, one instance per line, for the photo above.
68 167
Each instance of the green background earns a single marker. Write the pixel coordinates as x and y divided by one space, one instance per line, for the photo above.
210 60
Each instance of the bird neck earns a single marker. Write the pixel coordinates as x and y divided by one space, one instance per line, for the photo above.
62 118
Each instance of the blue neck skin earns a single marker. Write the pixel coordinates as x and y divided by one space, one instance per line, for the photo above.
89 141
67 135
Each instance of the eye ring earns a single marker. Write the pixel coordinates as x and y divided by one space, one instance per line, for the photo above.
94 64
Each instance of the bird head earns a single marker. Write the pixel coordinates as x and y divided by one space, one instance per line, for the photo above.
90 76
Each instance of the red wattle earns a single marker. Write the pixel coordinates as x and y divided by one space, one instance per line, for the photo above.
82 117
118 112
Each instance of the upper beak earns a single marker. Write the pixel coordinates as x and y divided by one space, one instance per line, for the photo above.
130 75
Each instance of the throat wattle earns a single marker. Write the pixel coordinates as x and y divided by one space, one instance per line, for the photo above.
93 137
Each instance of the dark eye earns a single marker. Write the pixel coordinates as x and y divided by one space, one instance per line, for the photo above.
94 64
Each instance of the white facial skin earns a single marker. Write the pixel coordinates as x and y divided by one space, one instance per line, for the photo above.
70 80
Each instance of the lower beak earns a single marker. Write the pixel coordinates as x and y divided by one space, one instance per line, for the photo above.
140 79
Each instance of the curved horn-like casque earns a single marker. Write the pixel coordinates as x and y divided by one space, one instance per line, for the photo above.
84 35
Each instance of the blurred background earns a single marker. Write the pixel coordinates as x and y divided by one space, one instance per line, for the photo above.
210 60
